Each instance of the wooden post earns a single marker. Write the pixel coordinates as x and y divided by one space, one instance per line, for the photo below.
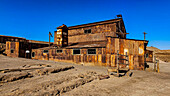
158 66
50 35
155 64
118 63
127 64
144 61
144 53
49 38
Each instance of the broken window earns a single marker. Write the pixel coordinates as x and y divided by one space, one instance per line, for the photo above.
45 51
87 31
91 51
76 51
12 51
59 51
33 54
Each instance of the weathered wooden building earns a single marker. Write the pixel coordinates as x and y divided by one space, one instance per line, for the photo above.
4 38
19 47
23 49
94 44
149 56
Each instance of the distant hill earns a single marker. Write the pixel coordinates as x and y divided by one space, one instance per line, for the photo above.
163 55
153 49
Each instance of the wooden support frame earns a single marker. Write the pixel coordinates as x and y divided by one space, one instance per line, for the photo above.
117 69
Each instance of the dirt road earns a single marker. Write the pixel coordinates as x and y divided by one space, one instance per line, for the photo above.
25 77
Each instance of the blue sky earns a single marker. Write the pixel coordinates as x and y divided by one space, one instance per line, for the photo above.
33 19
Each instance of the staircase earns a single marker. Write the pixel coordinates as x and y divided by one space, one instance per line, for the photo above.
122 65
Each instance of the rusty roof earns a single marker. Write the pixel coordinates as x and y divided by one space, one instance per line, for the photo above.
41 42
12 37
95 23
129 39
30 41
61 26
94 44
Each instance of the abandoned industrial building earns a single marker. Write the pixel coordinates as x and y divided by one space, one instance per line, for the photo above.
97 43
18 46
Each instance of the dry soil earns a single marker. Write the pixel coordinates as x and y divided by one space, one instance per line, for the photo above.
26 77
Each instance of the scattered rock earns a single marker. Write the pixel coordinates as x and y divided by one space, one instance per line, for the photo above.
101 77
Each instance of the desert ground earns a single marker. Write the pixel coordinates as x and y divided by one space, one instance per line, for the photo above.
26 77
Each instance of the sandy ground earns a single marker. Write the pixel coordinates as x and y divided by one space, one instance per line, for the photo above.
25 77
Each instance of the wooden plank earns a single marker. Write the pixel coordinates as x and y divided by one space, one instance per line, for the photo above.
113 60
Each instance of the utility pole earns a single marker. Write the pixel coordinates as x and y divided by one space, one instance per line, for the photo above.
145 64
50 35
144 34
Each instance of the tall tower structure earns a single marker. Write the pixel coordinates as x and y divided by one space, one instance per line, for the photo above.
61 36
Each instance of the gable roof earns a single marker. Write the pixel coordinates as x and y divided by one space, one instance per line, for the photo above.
12 37
95 23
38 42
62 26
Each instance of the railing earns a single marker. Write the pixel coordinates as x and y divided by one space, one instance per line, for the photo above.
118 68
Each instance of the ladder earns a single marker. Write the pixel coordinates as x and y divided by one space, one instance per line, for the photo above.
118 69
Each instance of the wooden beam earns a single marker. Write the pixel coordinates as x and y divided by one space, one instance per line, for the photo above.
118 63
121 33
